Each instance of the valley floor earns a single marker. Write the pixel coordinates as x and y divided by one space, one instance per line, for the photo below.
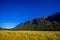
29 35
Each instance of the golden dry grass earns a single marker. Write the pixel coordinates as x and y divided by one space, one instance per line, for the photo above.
29 35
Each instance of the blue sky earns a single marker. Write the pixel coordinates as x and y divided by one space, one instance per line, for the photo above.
13 12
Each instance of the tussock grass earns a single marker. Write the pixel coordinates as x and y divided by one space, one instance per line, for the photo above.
29 35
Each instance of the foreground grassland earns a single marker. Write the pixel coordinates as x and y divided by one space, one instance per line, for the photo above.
29 35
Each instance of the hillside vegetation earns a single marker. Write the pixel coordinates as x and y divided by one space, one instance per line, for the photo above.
29 35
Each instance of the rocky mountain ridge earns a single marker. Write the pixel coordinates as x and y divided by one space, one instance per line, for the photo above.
46 23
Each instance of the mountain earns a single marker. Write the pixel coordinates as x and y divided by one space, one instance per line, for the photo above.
46 23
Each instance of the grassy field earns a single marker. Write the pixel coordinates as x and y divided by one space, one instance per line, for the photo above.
29 35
